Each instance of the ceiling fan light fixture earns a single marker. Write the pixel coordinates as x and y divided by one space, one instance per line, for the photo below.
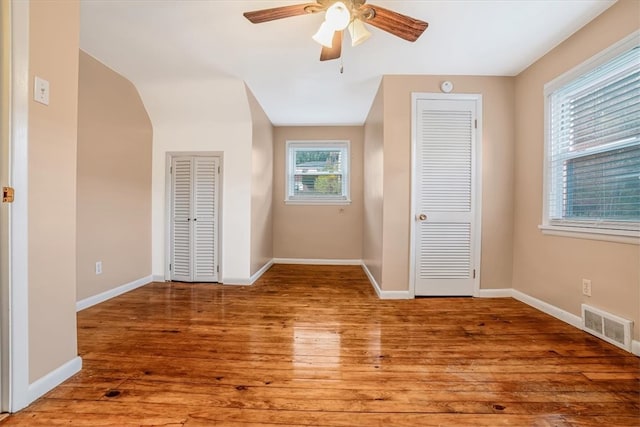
338 16
358 32
324 35
345 14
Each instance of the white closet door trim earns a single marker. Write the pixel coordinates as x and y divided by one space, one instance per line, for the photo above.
477 179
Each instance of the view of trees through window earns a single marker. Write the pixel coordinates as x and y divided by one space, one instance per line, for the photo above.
605 185
318 172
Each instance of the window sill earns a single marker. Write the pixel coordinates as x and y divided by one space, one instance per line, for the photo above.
617 236
318 202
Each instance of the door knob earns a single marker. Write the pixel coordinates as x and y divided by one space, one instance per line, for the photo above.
422 217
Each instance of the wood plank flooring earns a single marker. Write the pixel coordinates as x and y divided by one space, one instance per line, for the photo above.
313 345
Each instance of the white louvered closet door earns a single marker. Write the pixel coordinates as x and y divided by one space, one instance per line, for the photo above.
194 219
205 212
445 197
181 219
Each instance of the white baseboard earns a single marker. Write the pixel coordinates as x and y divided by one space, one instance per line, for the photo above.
158 278
551 310
495 293
381 293
635 347
394 294
372 279
104 296
236 281
53 379
260 272
317 261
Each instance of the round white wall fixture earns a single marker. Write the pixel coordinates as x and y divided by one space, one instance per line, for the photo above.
446 86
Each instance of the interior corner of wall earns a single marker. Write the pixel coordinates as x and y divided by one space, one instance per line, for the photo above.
247 111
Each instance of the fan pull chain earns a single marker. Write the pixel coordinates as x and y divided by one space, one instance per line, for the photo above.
341 65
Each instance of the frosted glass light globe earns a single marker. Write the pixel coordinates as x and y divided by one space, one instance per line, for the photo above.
338 16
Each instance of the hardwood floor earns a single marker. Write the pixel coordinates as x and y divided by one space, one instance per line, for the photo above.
313 345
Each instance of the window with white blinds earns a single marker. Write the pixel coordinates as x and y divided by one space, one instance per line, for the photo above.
593 145
317 172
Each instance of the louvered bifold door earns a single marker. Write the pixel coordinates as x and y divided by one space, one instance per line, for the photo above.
445 188
194 219
181 232
205 222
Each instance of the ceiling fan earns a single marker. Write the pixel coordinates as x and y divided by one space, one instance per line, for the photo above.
351 14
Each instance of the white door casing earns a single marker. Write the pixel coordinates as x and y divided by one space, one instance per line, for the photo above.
445 200
195 189
5 136
16 327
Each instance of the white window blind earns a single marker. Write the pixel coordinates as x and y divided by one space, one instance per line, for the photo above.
317 172
593 147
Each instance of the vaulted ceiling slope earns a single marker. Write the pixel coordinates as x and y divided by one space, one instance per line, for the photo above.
178 40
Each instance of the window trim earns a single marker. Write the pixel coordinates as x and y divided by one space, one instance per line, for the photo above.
345 199
570 228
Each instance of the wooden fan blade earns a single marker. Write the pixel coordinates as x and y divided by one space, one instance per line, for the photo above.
266 15
400 25
333 52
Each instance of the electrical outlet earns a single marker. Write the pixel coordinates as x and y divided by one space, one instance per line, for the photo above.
98 267
586 287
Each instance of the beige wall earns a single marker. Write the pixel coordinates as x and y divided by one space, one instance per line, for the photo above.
551 268
204 116
261 186
373 184
317 232
53 55
497 176
114 181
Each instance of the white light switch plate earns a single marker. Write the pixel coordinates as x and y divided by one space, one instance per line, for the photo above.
41 91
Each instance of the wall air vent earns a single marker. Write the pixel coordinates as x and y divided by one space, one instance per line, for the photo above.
607 326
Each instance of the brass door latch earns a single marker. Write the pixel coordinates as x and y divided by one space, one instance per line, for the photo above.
7 195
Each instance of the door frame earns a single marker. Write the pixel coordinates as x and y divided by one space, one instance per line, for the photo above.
5 137
16 393
168 196
477 205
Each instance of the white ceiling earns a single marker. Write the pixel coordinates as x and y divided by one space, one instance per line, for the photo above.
150 40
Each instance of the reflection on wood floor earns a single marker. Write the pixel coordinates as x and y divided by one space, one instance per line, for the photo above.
313 345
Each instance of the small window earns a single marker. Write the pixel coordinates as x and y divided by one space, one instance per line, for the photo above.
593 146
317 172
